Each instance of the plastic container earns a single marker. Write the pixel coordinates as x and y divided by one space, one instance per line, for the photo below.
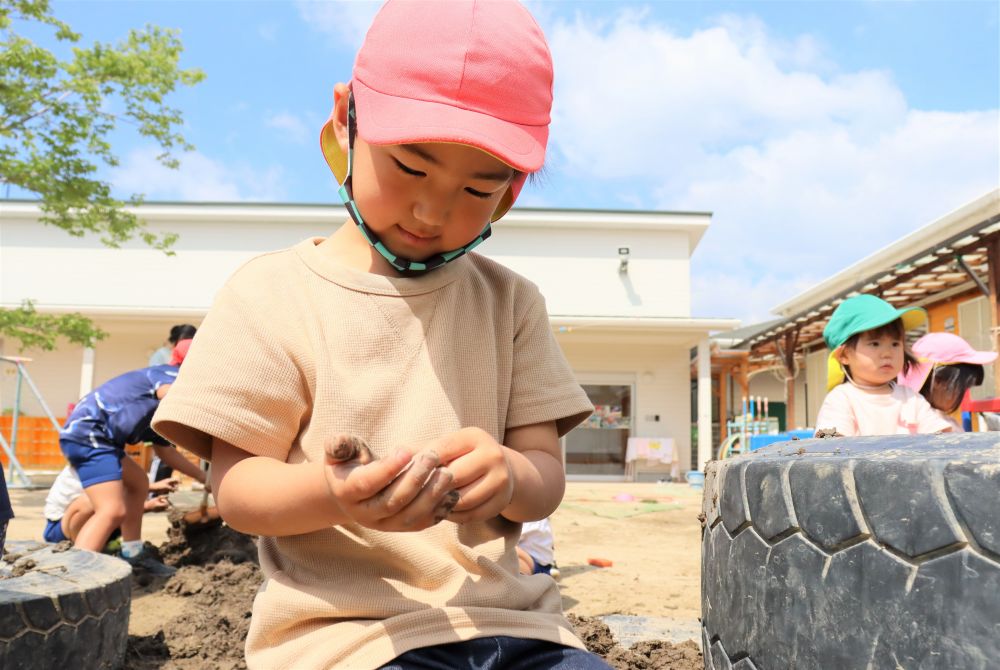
695 479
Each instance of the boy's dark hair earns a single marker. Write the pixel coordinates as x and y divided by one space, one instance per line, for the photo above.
893 329
955 380
183 331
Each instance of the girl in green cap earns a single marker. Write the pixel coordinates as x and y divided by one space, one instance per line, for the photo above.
867 341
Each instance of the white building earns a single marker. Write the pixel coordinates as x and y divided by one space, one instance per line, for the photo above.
617 286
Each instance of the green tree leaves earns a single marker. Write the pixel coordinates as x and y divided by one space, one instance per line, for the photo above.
57 117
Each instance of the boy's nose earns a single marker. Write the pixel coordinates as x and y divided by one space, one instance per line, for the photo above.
431 213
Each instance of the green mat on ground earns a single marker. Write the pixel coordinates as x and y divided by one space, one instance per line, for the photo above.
620 510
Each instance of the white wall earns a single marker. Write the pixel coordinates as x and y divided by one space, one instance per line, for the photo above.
47 265
577 271
576 268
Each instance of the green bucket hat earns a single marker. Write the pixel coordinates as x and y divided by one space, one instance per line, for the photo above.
856 315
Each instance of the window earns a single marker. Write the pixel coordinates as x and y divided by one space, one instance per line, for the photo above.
597 446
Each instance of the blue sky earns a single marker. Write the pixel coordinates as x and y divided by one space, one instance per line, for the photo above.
816 132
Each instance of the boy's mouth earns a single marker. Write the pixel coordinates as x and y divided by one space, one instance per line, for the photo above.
414 238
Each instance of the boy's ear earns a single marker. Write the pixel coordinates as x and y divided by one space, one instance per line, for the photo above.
340 96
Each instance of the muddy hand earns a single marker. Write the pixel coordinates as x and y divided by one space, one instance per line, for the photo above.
342 448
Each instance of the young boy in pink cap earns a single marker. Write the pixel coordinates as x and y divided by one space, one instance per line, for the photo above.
403 411
947 366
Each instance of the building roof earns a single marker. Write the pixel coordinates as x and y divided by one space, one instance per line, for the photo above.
943 257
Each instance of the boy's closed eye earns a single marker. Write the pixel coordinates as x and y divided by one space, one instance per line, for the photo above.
407 169
418 173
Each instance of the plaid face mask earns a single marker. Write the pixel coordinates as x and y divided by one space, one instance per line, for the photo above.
406 266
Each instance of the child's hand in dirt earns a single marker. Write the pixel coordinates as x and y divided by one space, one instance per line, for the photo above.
482 474
157 504
164 486
402 492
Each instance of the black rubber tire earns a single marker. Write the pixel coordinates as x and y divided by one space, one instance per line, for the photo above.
69 610
867 553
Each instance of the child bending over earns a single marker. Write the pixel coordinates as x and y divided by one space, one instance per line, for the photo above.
382 407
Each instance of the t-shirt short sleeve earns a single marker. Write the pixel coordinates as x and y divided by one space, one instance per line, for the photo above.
238 383
543 387
836 413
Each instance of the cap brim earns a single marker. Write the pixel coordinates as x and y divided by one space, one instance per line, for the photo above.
335 158
977 357
388 119
913 317
916 376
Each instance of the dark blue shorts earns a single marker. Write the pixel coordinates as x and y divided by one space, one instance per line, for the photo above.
498 653
53 531
539 569
95 464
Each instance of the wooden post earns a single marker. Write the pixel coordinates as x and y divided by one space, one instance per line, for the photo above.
745 378
993 283
705 448
723 404
791 341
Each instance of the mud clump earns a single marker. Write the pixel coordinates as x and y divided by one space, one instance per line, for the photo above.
646 655
196 544
215 584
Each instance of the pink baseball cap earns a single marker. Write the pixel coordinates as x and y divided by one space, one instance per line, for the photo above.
941 349
180 352
474 72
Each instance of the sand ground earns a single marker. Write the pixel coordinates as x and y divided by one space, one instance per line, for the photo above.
649 532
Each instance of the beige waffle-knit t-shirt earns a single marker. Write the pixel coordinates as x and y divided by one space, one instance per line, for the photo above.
298 348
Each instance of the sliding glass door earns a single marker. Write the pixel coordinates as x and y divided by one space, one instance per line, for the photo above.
596 448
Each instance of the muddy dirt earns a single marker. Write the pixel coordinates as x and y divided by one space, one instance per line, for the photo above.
199 618
646 655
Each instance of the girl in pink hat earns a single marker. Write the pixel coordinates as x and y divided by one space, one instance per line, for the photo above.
947 368
383 407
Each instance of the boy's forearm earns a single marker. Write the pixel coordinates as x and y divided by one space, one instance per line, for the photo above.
539 485
263 496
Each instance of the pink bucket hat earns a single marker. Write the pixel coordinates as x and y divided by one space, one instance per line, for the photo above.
941 349
474 72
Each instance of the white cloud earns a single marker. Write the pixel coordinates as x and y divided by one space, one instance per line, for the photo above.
291 125
346 21
806 167
199 179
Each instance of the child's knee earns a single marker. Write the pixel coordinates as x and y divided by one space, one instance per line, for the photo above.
112 512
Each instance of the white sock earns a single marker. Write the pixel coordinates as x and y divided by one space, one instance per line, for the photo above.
131 548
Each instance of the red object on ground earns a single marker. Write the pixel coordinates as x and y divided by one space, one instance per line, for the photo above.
599 562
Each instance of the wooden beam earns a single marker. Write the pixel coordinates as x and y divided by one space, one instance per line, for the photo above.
788 359
993 284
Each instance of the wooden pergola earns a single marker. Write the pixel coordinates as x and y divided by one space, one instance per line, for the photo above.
969 259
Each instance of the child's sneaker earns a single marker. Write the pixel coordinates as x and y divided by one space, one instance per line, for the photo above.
554 571
113 547
146 563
